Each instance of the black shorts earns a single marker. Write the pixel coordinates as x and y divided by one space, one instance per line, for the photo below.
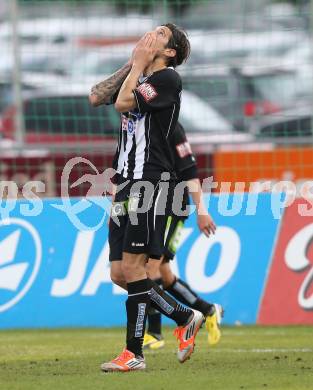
175 226
138 218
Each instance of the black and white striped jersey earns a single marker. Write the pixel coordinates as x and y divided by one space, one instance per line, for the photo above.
144 149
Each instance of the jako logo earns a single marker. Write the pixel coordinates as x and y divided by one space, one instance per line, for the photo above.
20 258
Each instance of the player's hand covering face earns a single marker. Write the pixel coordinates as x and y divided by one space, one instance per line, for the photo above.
152 45
145 50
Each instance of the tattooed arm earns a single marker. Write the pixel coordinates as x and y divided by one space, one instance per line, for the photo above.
102 92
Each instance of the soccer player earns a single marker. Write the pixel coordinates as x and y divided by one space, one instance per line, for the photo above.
149 110
186 171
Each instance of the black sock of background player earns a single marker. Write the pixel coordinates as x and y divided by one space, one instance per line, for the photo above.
137 305
181 291
165 304
154 323
154 317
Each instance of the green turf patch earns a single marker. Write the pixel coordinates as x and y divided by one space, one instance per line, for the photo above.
246 358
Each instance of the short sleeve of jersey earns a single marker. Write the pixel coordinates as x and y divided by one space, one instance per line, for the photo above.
183 155
161 90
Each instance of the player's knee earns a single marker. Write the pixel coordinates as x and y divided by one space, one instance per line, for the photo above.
128 268
168 278
133 266
167 282
153 269
117 277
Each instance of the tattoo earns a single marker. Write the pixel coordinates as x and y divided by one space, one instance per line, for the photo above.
107 88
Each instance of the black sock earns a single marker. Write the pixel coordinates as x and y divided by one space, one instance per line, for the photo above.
154 317
181 291
154 322
137 305
168 306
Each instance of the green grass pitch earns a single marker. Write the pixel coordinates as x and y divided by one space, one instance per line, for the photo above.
246 358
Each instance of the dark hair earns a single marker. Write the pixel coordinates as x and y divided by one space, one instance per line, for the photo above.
180 42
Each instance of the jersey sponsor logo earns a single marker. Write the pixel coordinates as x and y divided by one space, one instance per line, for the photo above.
147 91
184 149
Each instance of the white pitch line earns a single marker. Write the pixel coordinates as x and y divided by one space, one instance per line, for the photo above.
246 350
262 350
245 333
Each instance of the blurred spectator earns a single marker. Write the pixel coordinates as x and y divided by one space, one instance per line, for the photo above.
4 9
177 7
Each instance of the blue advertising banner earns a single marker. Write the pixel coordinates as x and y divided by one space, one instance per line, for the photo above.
54 269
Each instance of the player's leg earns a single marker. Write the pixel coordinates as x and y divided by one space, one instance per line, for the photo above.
181 291
153 269
138 301
175 286
153 338
128 271
117 275
149 230
162 302
188 321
